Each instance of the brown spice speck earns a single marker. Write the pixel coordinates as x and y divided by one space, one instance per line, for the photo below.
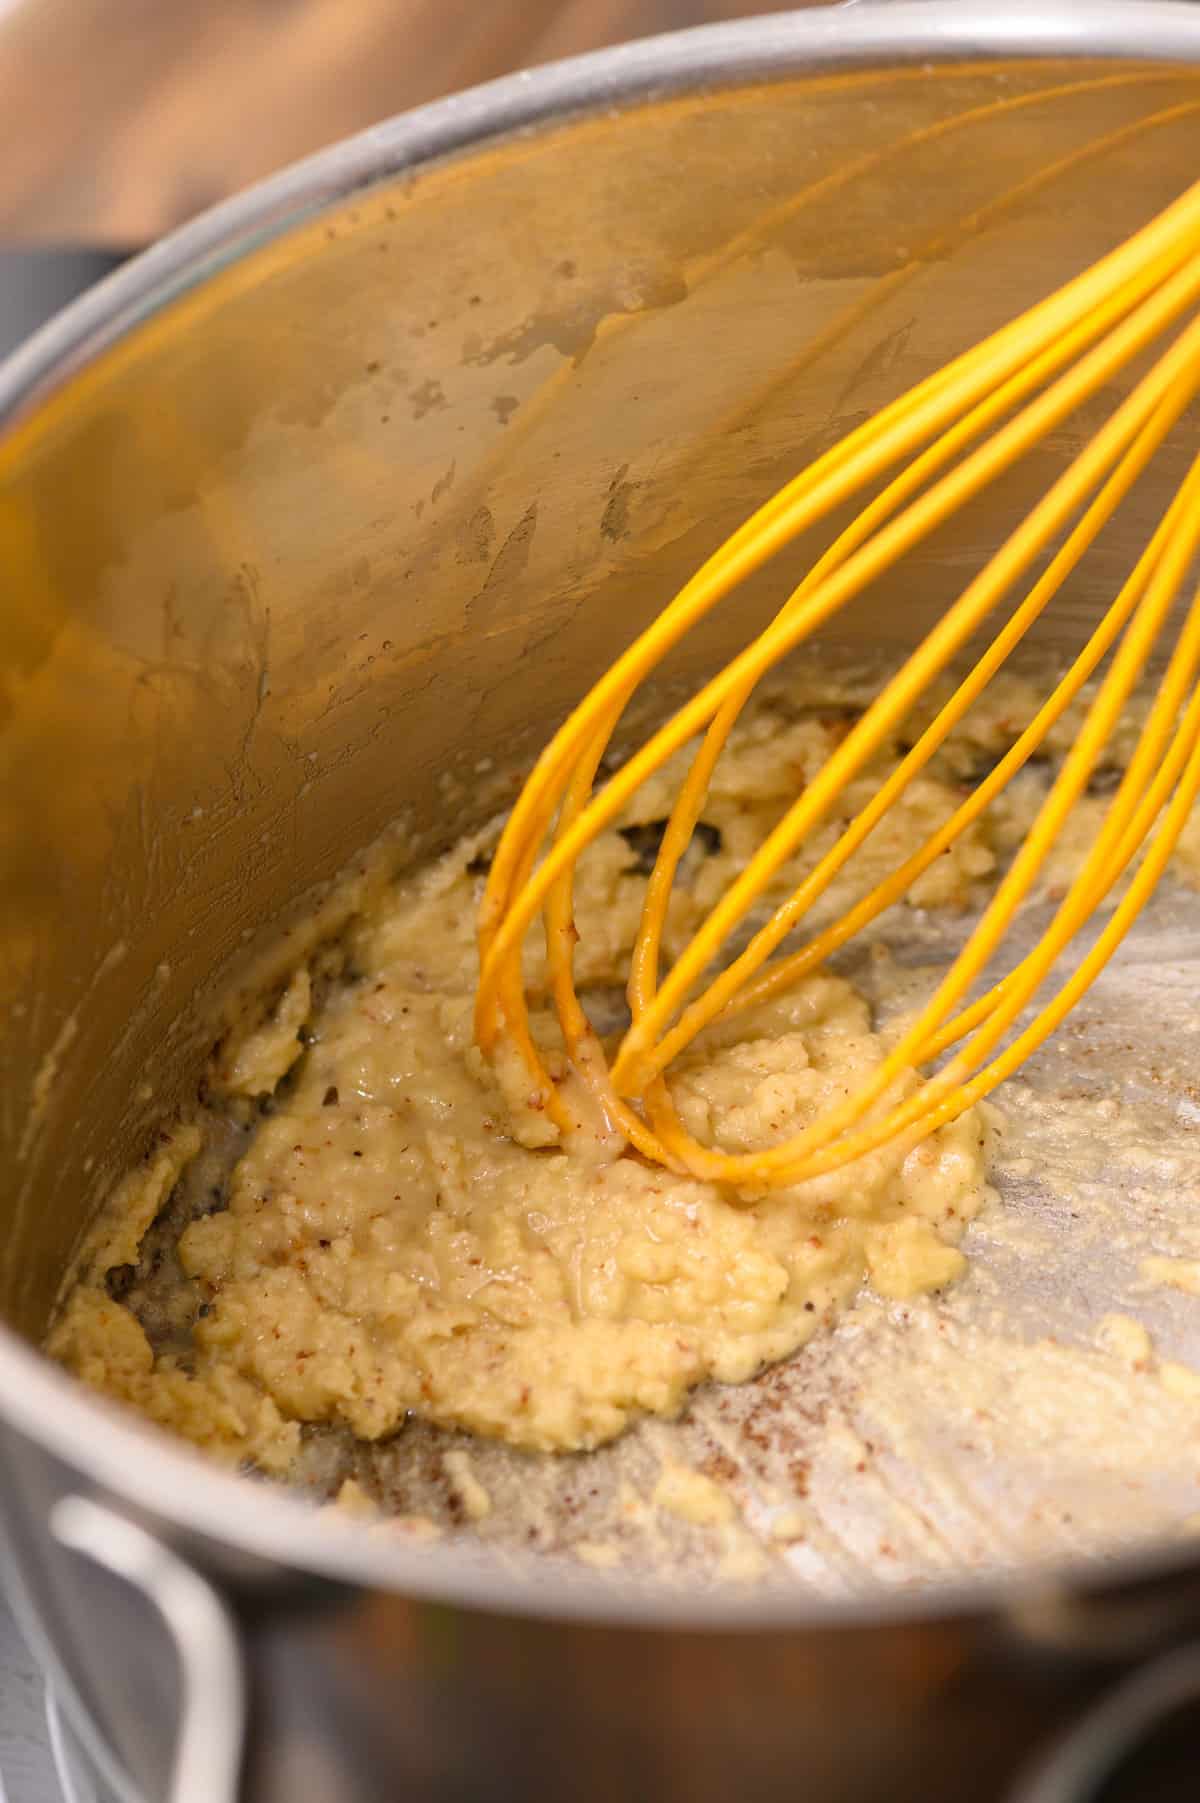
719 1467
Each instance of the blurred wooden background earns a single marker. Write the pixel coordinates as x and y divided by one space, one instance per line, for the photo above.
121 118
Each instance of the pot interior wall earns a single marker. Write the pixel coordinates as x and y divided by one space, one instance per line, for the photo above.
354 518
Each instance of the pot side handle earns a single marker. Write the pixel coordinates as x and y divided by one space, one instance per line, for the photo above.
207 1761
1090 1756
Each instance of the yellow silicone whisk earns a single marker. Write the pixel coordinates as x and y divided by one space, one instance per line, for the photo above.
934 449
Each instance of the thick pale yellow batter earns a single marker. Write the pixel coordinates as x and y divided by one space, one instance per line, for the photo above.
390 1244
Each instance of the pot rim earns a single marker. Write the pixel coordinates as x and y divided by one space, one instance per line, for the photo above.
108 1446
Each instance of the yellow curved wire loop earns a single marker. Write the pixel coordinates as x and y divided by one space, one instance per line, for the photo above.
733 983
913 418
935 449
784 972
634 1064
790 1161
686 812
497 941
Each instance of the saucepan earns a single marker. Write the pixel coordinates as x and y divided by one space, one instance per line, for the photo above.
312 517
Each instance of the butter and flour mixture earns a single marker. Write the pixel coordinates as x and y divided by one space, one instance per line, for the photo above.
384 1244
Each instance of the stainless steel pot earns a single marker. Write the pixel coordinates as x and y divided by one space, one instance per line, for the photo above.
313 510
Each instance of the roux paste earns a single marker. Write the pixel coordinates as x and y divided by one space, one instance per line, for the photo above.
397 1238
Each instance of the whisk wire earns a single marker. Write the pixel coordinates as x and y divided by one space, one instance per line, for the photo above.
681 823
1128 273
961 429
789 1160
633 1062
784 972
1080 761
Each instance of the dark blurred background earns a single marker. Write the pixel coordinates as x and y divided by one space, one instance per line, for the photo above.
122 118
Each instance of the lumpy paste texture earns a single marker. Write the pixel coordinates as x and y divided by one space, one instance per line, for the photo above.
399 1235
